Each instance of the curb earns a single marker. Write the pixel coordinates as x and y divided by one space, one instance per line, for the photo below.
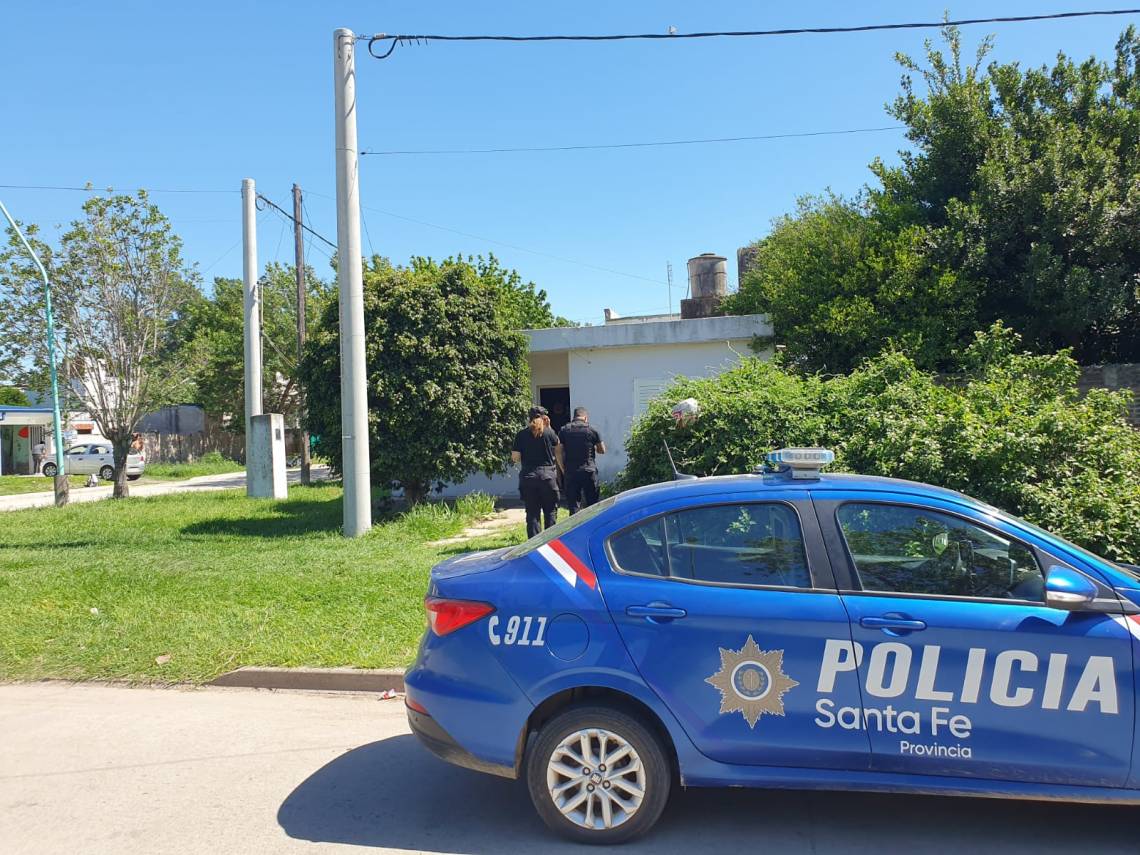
315 679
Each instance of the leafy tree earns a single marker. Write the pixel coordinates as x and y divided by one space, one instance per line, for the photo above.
23 335
522 305
447 376
215 343
119 288
1017 202
1012 429
12 397
839 280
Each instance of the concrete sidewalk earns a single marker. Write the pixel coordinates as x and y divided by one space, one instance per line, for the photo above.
203 483
97 769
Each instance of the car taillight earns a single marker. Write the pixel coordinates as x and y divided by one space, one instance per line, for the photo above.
446 616
415 705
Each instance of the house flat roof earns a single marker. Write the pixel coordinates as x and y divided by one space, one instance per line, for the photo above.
650 333
25 415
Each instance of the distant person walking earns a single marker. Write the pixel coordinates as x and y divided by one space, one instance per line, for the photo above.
580 444
537 451
38 451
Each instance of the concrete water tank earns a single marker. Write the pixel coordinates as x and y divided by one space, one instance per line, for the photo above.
708 275
708 285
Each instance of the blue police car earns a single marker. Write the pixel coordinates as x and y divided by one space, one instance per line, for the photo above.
785 629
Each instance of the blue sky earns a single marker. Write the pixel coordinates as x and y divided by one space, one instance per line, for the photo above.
198 96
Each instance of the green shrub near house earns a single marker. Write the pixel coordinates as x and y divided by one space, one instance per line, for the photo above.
1012 430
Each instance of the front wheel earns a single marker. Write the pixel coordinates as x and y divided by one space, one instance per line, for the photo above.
49 470
598 775
107 473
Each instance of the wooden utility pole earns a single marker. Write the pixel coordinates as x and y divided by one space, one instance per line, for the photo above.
299 261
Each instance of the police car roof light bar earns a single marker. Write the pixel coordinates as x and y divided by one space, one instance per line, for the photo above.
801 463
677 476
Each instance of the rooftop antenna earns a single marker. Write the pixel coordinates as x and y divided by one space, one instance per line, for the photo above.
677 476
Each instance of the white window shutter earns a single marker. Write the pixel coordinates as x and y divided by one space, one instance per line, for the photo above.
644 391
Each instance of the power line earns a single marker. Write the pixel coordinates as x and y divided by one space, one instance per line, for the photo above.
111 189
792 31
515 246
289 217
500 243
793 135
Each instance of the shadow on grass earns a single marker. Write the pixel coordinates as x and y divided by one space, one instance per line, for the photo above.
289 519
51 544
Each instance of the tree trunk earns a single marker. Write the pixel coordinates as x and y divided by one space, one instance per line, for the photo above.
122 446
62 487
415 493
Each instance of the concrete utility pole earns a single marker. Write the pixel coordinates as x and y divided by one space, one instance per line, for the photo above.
350 279
252 326
299 263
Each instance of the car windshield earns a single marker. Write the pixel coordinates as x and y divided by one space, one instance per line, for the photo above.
568 524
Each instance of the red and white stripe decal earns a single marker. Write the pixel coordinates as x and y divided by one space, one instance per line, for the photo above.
567 565
1130 623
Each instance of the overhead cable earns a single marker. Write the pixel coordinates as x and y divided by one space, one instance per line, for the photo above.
794 135
398 39
289 217
93 189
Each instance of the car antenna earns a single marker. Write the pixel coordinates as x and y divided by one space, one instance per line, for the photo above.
677 476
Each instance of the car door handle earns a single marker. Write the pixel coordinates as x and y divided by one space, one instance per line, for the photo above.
892 623
656 613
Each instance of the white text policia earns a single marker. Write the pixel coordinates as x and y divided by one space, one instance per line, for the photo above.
888 671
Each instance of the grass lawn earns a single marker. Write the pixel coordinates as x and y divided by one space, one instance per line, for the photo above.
210 464
214 581
10 485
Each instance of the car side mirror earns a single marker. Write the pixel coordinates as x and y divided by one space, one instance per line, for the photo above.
1068 590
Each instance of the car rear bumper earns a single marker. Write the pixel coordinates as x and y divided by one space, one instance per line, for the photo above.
440 743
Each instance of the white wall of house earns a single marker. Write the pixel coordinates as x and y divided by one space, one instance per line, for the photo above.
616 385
614 370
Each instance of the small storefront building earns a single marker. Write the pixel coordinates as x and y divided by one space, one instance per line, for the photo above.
21 429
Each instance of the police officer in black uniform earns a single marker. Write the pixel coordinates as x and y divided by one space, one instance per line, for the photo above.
537 449
580 443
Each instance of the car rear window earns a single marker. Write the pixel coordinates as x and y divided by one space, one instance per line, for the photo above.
556 531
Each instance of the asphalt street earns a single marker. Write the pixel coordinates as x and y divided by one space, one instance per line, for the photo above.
98 769
203 483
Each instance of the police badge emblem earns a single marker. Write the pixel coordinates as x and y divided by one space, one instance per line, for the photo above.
752 682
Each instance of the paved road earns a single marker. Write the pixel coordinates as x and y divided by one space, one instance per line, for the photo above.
113 770
201 484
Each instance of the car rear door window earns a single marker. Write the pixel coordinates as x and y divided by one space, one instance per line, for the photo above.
748 544
904 549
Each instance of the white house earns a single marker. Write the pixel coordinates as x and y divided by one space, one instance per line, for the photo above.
614 371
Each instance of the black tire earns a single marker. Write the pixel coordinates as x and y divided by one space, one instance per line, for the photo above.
49 470
654 761
107 473
133 477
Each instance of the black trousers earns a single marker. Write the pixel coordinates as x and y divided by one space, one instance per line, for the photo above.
581 489
539 491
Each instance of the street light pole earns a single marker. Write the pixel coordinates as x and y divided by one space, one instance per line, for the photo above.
350 279
299 264
252 325
61 484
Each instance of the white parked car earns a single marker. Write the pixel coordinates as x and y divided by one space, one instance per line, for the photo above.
95 458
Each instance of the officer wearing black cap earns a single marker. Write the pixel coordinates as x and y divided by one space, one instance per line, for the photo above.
580 443
537 451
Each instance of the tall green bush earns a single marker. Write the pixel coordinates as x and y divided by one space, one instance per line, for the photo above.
1012 430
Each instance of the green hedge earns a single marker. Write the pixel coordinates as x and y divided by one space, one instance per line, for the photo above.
1013 431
